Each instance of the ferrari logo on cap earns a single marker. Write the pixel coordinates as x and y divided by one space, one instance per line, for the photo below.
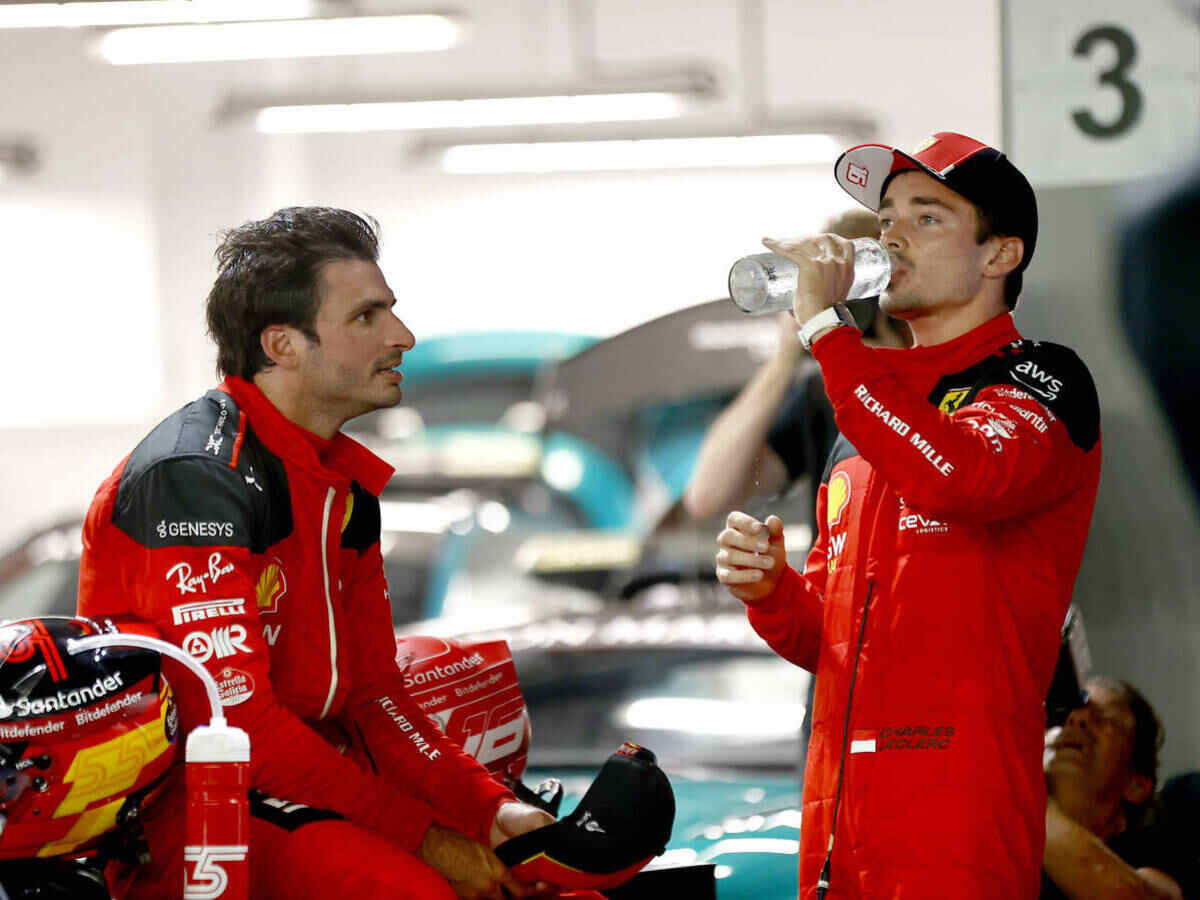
925 145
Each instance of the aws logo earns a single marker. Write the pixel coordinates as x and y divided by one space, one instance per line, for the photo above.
1029 374
349 511
271 587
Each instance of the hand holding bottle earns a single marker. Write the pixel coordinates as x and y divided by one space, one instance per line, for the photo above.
824 271
767 282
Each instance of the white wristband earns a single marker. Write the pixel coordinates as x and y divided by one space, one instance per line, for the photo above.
833 317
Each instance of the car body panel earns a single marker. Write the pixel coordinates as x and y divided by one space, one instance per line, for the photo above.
747 825
487 352
723 714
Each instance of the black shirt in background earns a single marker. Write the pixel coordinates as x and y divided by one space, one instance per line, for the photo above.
1143 848
803 430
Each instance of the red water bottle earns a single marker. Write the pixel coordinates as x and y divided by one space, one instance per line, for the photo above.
215 861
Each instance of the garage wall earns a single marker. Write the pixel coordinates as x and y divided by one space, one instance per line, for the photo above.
1139 587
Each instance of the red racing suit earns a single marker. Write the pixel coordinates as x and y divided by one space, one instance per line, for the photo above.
952 520
254 545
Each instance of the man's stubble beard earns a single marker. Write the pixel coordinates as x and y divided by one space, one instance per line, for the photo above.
342 392
897 305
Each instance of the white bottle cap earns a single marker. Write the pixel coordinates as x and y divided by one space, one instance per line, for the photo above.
218 743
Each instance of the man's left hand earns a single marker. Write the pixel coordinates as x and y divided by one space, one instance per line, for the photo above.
471 869
826 271
515 818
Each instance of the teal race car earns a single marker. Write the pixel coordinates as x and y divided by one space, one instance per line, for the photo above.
747 828
723 714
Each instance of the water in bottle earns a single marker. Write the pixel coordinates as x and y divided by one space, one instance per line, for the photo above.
765 282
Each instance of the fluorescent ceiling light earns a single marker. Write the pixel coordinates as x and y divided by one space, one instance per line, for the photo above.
148 12
656 153
471 113
278 40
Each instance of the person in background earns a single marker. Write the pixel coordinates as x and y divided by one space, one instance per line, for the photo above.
780 427
1101 767
952 519
245 528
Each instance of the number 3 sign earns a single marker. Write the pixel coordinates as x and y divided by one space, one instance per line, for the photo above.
1101 90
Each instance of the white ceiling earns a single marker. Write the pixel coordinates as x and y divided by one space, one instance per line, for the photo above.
908 68
138 173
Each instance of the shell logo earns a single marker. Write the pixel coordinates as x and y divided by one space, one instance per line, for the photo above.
271 587
837 498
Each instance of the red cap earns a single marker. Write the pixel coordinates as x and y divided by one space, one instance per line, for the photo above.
980 173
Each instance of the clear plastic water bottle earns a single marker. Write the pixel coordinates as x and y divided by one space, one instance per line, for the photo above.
765 282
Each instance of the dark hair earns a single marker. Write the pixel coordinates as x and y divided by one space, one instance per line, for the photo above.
1148 732
1148 737
268 273
985 228
854 223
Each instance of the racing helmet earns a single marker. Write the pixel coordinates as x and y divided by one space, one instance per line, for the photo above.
86 739
470 689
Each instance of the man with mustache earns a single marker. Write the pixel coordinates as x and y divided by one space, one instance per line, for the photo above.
245 528
952 517
1101 766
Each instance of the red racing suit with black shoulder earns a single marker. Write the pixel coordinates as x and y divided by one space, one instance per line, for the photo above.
254 545
952 518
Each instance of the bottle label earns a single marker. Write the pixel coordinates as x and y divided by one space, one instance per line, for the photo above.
211 872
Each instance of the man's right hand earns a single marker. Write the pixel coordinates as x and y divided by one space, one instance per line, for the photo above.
825 271
751 558
472 869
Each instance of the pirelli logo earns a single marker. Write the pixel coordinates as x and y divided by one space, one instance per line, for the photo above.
208 609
